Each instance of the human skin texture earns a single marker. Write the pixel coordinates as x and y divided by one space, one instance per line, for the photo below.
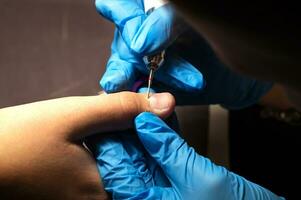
41 151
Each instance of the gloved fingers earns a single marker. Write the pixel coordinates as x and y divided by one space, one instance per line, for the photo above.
146 166
119 76
119 11
143 34
181 164
124 150
179 74
122 51
157 193
190 174
137 154
158 31
176 73
120 177
127 15
165 146
158 175
121 72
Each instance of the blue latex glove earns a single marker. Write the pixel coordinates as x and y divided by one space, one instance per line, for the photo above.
193 75
190 175
121 155
132 40
124 165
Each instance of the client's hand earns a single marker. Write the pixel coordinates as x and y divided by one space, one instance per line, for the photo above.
41 152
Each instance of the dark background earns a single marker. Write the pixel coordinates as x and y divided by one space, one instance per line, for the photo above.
266 151
50 48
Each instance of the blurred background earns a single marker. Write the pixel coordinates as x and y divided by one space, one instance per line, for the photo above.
56 48
51 48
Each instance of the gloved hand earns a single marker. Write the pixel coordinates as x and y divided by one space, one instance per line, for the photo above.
125 167
193 75
137 35
121 154
190 175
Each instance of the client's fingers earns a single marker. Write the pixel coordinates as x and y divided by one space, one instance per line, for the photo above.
78 117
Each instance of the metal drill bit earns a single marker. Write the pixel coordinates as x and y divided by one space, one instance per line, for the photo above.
153 63
150 81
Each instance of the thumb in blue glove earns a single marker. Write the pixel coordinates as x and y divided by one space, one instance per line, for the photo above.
191 176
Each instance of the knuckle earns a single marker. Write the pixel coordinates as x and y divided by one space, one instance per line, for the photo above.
132 103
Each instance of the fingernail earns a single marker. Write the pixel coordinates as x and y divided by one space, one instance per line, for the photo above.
162 103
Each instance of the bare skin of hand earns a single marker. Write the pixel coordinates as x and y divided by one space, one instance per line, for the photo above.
41 151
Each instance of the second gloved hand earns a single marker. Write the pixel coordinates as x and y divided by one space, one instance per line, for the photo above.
190 175
192 72
137 35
